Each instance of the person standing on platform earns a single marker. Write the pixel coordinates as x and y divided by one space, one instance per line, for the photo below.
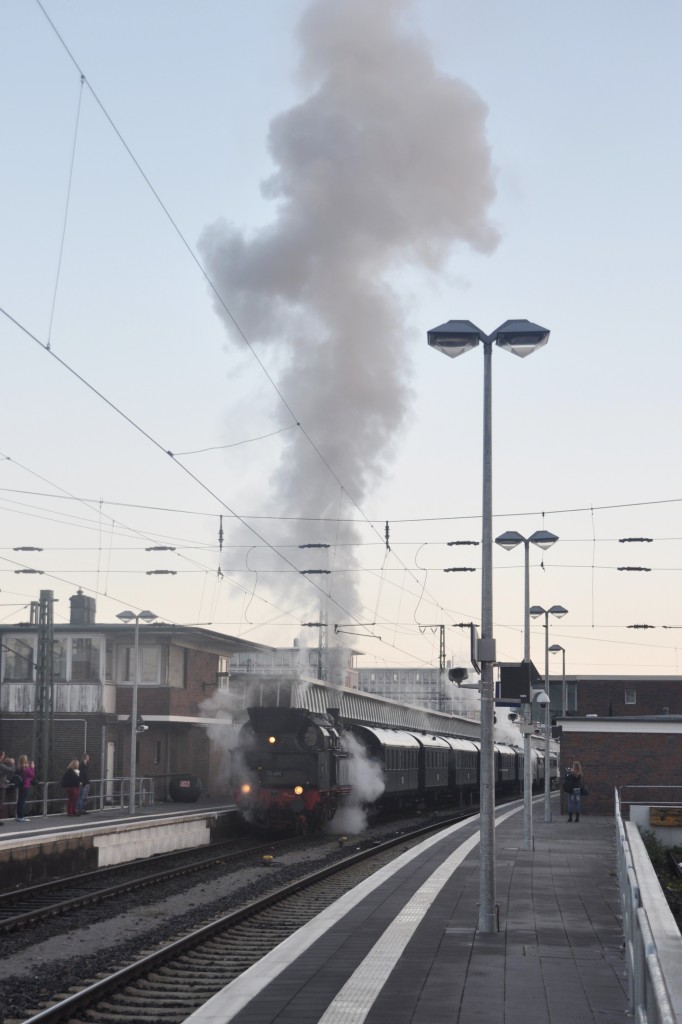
11 786
6 773
71 781
26 773
84 769
573 785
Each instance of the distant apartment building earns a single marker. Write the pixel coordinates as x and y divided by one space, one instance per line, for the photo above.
425 687
335 665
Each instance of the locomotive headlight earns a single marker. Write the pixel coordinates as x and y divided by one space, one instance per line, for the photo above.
272 739
246 788
298 790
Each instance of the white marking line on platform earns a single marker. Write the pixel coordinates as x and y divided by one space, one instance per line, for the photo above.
355 999
226 1004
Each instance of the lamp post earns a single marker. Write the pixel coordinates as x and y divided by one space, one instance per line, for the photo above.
558 611
454 338
544 540
128 617
554 649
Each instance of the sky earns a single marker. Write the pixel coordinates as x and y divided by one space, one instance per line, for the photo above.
226 230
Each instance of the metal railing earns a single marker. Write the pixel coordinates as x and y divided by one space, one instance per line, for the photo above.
111 793
653 944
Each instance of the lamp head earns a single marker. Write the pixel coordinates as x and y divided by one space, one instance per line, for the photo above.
536 611
510 540
126 616
520 337
555 648
543 539
148 616
558 610
455 337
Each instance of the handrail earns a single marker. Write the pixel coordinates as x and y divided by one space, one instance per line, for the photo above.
109 792
653 944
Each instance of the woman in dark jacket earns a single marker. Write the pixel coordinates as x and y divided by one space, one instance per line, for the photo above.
573 783
71 781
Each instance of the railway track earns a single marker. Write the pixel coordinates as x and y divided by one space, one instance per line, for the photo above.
51 899
167 984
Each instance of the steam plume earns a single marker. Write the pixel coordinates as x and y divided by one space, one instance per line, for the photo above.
384 165
367 780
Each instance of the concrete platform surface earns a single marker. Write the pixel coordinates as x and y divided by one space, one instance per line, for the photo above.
403 947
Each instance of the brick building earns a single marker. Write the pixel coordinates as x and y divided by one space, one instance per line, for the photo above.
92 675
616 696
632 750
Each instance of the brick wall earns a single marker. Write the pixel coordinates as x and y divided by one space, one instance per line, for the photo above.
614 759
606 698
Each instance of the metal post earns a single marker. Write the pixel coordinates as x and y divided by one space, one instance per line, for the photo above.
487 916
528 710
548 720
563 683
526 609
133 719
527 778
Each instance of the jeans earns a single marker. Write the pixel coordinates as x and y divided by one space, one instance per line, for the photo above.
21 802
574 802
83 798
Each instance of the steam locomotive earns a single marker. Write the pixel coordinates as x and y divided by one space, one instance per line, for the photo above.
295 767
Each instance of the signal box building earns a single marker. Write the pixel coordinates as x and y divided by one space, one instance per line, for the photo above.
183 679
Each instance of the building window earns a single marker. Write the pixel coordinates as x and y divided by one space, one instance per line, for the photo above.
150 665
18 658
630 696
59 660
85 659
109 662
157 752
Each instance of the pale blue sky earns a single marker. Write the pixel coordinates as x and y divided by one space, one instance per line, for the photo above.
581 122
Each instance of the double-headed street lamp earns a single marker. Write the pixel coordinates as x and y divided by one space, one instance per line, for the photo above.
554 649
542 539
558 611
129 617
454 338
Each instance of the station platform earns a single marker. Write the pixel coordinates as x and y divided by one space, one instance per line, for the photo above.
54 846
403 947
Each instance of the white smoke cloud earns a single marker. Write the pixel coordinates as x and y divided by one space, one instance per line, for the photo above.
367 780
384 165
223 736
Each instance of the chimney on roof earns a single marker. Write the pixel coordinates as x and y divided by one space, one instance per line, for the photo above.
82 610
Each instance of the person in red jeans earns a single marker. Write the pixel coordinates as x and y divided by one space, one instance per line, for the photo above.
71 781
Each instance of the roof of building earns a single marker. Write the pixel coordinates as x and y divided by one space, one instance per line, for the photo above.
195 636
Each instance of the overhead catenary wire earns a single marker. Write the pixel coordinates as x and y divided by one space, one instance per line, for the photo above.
279 547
